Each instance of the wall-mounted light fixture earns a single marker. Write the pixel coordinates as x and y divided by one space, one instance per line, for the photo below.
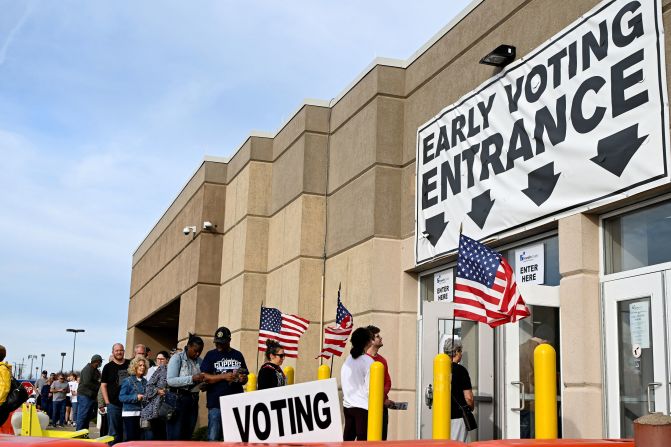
500 56
208 226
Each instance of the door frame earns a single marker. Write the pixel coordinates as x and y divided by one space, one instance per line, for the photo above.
541 295
609 333
498 367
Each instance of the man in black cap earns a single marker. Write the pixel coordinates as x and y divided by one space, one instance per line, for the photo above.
87 392
225 373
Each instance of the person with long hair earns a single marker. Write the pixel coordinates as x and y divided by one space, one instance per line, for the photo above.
354 379
157 386
184 379
131 396
271 374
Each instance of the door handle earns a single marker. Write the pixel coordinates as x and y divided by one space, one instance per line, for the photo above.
651 387
428 396
521 396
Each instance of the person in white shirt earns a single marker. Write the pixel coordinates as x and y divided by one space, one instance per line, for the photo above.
354 378
73 384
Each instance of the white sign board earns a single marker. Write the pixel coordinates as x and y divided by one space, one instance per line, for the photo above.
442 286
530 264
578 122
306 412
639 323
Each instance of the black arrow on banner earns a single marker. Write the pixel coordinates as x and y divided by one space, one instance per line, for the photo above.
614 152
542 182
480 208
435 226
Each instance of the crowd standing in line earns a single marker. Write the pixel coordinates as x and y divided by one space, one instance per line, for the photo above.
141 401
5 382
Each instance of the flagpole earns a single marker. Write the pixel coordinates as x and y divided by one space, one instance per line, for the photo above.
321 321
461 230
257 347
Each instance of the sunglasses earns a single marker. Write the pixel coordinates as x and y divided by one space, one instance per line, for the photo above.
279 355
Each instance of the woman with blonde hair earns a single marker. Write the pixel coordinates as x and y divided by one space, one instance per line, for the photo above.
131 396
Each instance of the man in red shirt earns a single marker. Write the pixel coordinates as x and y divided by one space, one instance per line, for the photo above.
373 352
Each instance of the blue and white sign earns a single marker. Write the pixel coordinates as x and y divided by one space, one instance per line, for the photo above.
530 264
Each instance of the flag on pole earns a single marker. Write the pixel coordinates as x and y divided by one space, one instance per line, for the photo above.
335 337
286 329
485 288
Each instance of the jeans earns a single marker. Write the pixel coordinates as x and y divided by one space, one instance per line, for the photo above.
356 424
182 426
58 412
73 412
131 426
115 423
85 406
214 430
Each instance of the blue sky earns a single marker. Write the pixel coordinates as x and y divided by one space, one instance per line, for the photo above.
107 108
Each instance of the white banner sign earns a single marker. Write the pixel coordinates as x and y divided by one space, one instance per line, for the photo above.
578 122
530 264
306 412
442 286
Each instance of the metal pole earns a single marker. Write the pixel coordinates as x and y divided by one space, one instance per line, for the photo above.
74 345
32 359
42 362
62 360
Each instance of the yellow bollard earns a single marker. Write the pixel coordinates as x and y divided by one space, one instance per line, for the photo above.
375 401
442 385
545 386
323 372
251 382
289 372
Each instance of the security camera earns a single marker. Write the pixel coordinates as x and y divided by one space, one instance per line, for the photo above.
189 230
207 225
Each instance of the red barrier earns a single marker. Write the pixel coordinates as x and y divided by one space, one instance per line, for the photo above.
24 441
421 443
556 443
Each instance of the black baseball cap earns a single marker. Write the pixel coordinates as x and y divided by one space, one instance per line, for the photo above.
223 335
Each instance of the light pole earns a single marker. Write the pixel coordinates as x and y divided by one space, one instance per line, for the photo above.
31 357
37 373
42 362
62 360
74 345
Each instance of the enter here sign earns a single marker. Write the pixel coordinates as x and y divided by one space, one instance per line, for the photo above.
307 412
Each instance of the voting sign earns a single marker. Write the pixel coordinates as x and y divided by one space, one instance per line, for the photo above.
306 412
530 264
578 122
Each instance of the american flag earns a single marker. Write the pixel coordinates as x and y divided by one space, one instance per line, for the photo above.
485 288
335 337
286 329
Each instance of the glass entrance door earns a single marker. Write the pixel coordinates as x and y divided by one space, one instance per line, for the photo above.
636 356
478 358
519 341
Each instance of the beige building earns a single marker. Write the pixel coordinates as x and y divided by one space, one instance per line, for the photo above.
332 198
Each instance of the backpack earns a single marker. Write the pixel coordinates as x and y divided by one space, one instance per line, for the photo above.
16 397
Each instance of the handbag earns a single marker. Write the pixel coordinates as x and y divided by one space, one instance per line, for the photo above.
468 416
167 406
